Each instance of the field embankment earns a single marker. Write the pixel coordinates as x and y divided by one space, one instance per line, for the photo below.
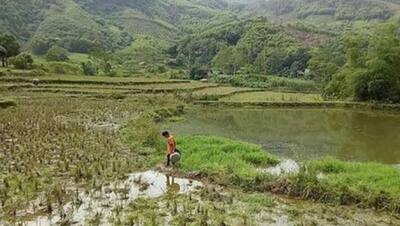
7 103
96 85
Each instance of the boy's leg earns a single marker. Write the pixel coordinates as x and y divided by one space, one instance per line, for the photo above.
168 160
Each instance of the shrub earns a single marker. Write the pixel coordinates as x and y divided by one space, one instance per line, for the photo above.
22 61
269 82
63 68
142 132
88 68
57 53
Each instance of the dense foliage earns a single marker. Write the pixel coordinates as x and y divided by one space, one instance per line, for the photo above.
256 46
57 53
9 47
71 27
372 67
22 61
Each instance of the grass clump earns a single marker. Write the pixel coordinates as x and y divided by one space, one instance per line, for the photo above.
269 96
229 160
268 82
142 132
367 184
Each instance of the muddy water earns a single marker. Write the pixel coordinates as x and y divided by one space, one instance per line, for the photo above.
245 209
303 133
100 204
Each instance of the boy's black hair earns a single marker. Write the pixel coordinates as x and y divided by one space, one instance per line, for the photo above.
165 133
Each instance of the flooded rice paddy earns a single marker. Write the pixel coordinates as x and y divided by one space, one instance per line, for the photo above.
102 203
303 133
153 198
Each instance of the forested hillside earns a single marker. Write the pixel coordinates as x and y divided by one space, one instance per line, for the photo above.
235 41
111 23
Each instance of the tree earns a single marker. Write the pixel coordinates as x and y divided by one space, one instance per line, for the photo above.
40 46
103 60
10 44
88 68
228 60
57 53
197 71
79 45
371 69
22 61
326 60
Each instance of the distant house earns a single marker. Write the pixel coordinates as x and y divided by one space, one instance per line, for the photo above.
171 62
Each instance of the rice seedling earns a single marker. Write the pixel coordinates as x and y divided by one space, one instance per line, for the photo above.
228 160
48 148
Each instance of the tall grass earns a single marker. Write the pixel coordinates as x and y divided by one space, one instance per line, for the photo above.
223 157
269 82
366 184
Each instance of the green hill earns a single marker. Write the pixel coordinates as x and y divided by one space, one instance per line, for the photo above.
80 24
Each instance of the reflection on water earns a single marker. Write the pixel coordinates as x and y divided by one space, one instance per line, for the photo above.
303 133
150 184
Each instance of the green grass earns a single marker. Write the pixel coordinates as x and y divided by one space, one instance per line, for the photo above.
269 82
224 157
75 58
366 184
219 91
78 58
359 177
214 93
269 96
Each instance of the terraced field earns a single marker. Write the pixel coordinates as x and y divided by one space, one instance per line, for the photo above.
72 79
99 85
216 93
269 96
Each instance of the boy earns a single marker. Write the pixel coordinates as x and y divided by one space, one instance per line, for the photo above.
171 145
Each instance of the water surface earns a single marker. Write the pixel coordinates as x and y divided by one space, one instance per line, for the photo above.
303 133
104 202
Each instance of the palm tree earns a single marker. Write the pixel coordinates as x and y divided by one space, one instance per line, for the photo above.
3 55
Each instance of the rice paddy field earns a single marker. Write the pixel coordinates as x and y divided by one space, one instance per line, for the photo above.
87 151
269 96
97 85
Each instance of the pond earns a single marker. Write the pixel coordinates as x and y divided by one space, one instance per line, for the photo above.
302 133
